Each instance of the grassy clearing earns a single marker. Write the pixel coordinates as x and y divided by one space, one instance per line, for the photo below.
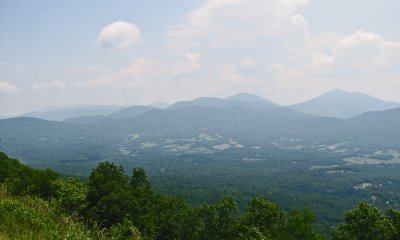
34 218
372 161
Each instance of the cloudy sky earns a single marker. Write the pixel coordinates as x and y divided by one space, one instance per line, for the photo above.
58 53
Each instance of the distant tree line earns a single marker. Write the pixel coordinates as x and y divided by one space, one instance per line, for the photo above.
128 208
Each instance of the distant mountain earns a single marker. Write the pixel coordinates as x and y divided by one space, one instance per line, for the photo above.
59 114
130 112
161 105
241 99
377 128
202 101
85 119
203 125
378 123
386 117
247 97
342 104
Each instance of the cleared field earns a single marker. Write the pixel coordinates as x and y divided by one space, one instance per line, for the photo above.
371 161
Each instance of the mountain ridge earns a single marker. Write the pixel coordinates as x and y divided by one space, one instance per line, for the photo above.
342 104
335 103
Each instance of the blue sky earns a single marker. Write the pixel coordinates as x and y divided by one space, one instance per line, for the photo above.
138 52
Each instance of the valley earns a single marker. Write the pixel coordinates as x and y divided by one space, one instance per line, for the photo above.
209 148
201 119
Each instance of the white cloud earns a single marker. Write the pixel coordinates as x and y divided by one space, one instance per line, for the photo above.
6 87
143 69
190 64
119 35
362 61
227 46
301 23
293 63
366 52
223 21
147 80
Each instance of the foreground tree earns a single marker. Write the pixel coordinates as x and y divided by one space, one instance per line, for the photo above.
261 216
108 197
299 225
368 223
71 194
266 220
24 180
139 180
128 208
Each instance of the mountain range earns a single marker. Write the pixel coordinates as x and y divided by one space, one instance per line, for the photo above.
335 103
62 113
204 126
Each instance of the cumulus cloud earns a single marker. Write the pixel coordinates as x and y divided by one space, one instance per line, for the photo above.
6 87
190 64
366 52
231 34
224 21
360 61
229 46
265 47
119 35
358 55
144 69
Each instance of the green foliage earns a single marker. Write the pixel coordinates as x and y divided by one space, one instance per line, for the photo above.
366 222
128 208
299 225
23 180
125 230
104 180
108 199
263 215
166 217
71 194
139 180
265 220
394 217
226 211
212 221
33 218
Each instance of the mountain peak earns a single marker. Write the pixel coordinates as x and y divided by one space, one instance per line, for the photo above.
340 92
247 97
201 101
342 104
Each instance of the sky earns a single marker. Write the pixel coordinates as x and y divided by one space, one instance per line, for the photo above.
60 53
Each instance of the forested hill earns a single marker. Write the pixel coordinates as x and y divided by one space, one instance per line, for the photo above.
41 204
194 129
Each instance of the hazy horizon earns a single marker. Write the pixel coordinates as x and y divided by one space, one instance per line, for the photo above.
137 53
77 105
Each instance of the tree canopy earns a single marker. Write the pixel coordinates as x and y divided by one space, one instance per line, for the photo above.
128 208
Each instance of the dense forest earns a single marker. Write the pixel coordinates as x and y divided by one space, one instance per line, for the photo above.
243 146
41 204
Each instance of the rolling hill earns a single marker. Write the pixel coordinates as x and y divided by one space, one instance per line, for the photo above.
342 104
59 114
204 125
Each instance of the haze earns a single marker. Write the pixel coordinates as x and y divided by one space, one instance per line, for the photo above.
139 52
